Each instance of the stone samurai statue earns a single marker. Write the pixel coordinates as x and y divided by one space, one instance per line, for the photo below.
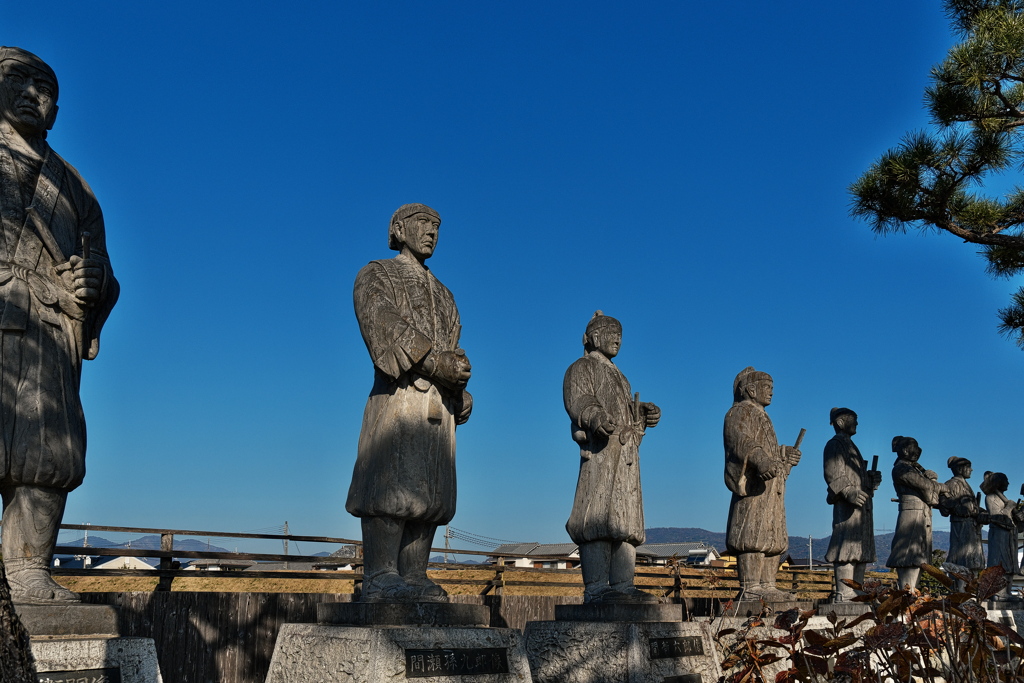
919 491
966 519
1005 521
56 291
756 468
403 485
608 423
851 486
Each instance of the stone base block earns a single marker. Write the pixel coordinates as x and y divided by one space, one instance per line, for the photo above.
68 619
403 614
750 608
613 652
631 612
844 609
96 659
1014 618
321 653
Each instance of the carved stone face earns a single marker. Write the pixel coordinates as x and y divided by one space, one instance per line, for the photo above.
27 98
911 452
419 233
760 391
607 340
849 425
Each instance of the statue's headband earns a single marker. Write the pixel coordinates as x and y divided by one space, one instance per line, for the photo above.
748 375
600 321
403 212
407 210
16 54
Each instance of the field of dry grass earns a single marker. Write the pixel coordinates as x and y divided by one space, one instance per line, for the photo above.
720 583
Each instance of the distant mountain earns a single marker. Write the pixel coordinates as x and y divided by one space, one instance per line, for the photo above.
797 544
151 542
440 558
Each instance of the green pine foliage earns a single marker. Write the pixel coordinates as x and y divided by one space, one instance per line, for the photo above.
932 179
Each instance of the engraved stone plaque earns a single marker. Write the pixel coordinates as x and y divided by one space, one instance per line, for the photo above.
683 646
112 675
456 662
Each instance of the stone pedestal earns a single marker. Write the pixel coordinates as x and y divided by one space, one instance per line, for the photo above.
750 608
65 619
73 659
629 612
617 651
403 614
844 609
323 653
75 642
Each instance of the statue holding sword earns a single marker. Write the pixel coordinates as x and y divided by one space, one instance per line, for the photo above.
851 487
756 469
56 291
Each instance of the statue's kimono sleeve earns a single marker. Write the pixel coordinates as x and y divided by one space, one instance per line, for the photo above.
394 344
580 395
842 477
751 453
912 478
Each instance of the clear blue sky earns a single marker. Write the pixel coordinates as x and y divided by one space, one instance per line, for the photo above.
682 166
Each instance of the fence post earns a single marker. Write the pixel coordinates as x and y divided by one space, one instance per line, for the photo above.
678 584
499 577
167 545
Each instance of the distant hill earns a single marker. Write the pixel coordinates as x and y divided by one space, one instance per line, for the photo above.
797 544
151 542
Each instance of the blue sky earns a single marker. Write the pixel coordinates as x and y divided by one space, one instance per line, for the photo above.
681 166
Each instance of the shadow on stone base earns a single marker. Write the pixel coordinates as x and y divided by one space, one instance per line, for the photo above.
340 654
64 619
403 614
637 612
613 652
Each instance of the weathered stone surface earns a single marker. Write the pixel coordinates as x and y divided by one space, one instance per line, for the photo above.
403 484
317 653
919 491
630 612
56 291
607 652
135 658
403 614
851 487
608 423
756 469
69 619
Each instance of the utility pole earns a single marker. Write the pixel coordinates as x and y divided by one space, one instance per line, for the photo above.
286 542
447 541
810 551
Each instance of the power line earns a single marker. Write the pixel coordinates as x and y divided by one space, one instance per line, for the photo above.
477 539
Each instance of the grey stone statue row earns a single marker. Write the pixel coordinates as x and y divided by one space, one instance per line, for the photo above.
57 289
756 467
919 491
403 486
